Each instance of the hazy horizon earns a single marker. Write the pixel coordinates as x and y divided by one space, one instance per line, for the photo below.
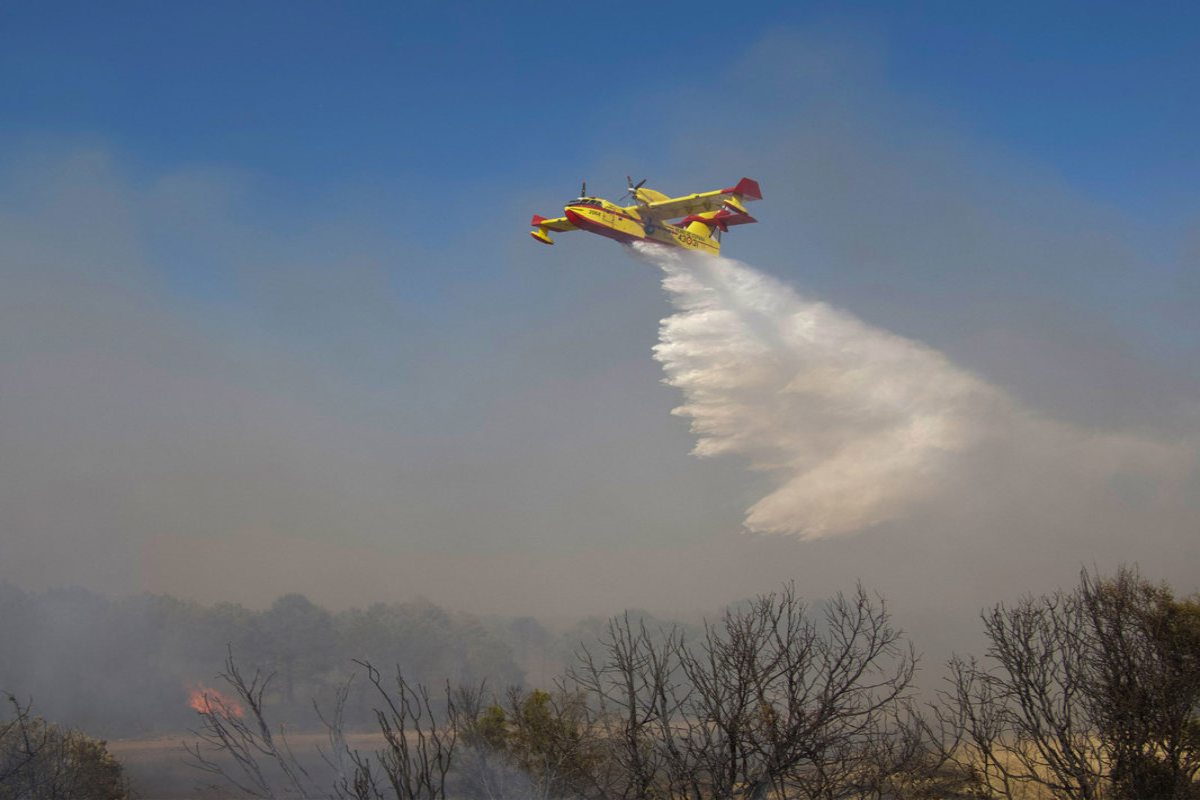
268 349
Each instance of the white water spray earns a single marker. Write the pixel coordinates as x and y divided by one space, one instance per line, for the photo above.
854 424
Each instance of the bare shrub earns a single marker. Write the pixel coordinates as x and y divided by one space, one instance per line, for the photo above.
239 748
773 701
1085 695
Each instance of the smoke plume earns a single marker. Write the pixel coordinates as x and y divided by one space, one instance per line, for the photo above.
854 425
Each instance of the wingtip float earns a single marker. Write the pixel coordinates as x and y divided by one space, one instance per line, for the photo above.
702 217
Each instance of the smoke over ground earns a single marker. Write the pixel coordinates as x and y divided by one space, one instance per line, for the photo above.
857 426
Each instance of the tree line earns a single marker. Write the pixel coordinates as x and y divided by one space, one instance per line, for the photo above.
1087 694
125 666
1091 693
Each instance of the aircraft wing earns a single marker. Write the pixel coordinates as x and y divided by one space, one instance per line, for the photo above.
555 224
686 205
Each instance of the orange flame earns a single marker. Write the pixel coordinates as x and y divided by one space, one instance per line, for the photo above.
210 701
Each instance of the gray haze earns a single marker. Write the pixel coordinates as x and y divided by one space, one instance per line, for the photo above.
495 433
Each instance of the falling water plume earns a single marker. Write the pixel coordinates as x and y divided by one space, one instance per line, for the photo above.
852 423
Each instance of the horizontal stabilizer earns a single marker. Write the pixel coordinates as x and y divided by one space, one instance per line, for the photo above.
560 224
722 219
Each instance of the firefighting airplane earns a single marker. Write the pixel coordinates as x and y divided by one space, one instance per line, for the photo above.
705 216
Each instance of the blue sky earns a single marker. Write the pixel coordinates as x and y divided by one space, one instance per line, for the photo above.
446 97
268 287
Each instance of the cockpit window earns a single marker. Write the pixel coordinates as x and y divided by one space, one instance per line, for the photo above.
586 201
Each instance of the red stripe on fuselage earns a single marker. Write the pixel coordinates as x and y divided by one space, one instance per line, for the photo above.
590 225
616 211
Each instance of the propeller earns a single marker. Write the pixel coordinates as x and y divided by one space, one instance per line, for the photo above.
583 189
631 190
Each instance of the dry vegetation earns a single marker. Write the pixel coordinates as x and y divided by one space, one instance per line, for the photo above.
1090 694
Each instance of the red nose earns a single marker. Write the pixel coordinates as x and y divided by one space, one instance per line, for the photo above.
575 218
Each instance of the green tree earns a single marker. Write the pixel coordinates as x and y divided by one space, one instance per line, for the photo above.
299 638
536 744
43 761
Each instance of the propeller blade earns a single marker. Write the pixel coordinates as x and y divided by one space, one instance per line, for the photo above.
631 191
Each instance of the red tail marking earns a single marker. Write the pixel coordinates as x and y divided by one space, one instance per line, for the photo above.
746 187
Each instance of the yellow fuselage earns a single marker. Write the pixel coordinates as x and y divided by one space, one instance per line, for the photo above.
626 225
